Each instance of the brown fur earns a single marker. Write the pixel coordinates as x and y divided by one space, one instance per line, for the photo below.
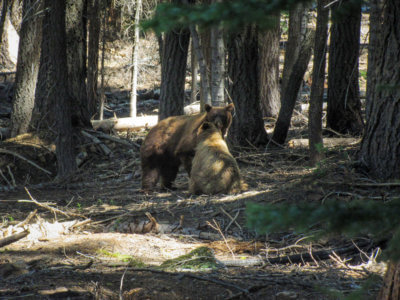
172 142
214 169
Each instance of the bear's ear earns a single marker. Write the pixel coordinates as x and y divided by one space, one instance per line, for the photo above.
207 107
230 107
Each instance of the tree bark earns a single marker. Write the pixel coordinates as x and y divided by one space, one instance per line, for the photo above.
59 89
317 85
76 61
391 283
375 22
27 67
344 106
93 54
173 71
205 86
380 150
4 11
248 126
290 94
43 116
269 70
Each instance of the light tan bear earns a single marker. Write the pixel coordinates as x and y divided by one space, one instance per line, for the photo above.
214 170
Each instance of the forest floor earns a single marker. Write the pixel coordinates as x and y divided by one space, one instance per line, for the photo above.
99 237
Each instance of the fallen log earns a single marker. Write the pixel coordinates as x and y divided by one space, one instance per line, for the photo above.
328 142
122 124
13 238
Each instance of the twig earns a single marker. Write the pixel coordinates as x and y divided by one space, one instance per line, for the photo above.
117 140
11 175
121 284
52 209
232 219
5 178
25 159
28 218
103 147
13 238
218 228
219 282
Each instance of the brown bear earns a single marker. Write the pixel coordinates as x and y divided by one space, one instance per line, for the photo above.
214 169
172 142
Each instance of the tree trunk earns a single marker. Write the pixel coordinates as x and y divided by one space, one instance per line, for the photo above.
93 54
27 67
248 125
375 21
76 61
173 71
380 151
317 85
217 67
135 49
344 106
290 94
391 283
59 89
269 70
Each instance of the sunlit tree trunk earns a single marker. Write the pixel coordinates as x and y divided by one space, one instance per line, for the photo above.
269 70
135 50
217 66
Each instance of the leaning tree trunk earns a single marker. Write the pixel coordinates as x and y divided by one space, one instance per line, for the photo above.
59 89
380 150
76 60
317 85
27 67
344 106
296 34
289 96
248 125
269 70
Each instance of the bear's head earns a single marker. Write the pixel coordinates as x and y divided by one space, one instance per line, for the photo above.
220 116
210 132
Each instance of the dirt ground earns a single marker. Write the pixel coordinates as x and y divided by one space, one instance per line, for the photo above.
99 237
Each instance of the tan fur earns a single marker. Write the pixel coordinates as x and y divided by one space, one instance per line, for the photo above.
214 169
